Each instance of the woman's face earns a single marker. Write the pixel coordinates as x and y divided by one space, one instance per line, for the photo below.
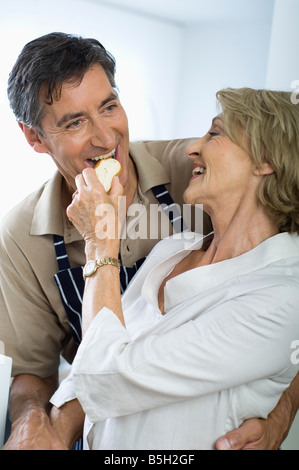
222 171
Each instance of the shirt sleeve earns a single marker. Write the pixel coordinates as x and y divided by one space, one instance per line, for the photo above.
66 392
240 341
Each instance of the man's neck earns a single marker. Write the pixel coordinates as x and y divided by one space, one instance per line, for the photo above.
66 194
131 185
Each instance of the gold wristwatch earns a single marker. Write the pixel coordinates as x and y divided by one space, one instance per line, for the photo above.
91 266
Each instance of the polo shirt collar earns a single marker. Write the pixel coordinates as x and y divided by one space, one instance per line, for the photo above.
150 171
48 216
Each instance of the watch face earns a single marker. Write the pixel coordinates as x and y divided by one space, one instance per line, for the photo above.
89 268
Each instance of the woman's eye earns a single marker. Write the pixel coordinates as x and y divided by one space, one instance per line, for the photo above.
213 134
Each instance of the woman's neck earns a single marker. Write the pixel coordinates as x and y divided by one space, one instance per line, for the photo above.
239 231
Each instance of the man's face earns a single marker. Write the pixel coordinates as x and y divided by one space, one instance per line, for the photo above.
86 122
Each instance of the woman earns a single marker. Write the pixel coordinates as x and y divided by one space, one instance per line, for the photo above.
201 340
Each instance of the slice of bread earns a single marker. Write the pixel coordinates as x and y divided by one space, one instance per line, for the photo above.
106 169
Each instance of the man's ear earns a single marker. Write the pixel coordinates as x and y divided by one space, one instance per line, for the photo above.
33 138
265 169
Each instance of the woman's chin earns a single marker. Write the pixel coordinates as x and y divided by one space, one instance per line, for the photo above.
190 197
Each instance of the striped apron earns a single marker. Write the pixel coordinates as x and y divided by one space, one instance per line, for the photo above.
70 281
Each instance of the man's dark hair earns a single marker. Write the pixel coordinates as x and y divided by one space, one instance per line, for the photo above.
50 61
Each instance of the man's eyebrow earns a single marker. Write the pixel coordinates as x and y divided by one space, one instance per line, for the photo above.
72 116
111 97
68 117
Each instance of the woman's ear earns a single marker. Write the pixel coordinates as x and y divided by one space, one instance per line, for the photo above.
265 169
33 138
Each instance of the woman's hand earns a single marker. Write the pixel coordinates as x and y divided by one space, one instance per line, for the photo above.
99 220
96 215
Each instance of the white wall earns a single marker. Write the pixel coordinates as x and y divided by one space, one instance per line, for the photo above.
283 66
219 55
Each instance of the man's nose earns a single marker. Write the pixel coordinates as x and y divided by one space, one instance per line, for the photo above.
102 135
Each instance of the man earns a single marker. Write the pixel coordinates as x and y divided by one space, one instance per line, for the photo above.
62 92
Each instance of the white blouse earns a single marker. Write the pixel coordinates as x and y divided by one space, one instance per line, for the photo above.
220 354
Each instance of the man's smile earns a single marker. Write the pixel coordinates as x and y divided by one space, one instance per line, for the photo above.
93 161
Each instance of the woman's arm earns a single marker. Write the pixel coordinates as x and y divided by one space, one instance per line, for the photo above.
102 289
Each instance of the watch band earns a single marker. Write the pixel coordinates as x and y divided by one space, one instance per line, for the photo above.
91 266
108 260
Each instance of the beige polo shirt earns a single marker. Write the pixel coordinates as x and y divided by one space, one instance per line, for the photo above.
33 323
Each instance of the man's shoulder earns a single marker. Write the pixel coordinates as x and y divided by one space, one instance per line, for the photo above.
158 148
19 218
169 153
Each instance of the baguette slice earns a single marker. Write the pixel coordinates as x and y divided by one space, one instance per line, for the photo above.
106 169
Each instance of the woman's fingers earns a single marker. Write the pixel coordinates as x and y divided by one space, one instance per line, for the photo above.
91 206
89 177
116 188
80 181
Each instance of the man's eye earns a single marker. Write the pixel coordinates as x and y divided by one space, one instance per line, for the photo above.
74 124
111 107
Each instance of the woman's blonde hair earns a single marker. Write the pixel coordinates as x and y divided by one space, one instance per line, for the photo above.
270 122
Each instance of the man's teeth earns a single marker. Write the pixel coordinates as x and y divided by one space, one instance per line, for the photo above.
199 170
101 157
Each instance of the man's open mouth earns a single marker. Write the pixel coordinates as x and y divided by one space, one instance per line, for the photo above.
93 161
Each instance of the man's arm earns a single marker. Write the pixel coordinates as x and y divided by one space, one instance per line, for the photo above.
265 434
29 408
68 421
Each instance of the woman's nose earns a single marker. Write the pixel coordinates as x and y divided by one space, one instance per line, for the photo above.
194 149
102 135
